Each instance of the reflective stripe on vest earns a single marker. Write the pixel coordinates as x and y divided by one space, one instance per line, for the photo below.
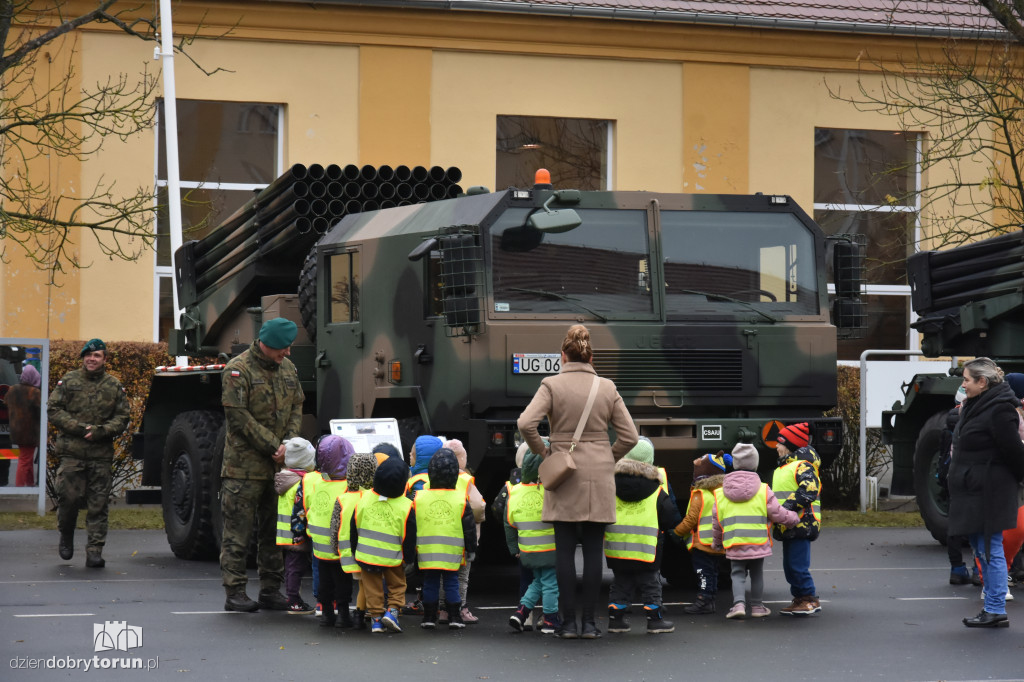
634 535
348 499
743 523
285 505
702 535
524 510
439 540
381 525
318 498
784 484
663 479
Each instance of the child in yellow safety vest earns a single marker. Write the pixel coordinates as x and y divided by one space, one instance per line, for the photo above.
445 537
360 479
299 459
632 545
744 510
318 494
708 474
798 488
476 503
532 541
382 537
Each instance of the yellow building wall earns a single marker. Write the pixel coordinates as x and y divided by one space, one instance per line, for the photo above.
716 125
470 91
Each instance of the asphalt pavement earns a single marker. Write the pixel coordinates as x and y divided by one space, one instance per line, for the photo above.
888 613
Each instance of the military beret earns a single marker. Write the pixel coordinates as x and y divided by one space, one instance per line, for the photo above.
278 333
93 345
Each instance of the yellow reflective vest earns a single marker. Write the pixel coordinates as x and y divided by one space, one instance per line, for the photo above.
663 479
744 523
413 480
285 505
440 543
524 509
784 484
381 523
634 535
703 534
318 498
348 499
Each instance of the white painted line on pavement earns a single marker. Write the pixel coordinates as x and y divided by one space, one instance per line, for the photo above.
928 598
51 615
201 613
113 580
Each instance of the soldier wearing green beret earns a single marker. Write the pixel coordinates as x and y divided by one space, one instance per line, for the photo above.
262 401
89 409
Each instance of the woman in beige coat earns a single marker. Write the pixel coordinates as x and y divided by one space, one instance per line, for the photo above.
585 503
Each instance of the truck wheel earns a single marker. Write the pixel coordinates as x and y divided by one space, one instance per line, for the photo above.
307 294
932 500
191 482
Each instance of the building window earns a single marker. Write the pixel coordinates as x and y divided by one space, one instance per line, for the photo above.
577 152
867 182
227 151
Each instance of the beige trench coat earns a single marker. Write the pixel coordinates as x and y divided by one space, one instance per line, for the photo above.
589 494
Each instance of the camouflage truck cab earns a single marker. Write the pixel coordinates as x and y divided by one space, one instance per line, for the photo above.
710 314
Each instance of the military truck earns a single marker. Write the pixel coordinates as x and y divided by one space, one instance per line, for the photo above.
969 300
709 312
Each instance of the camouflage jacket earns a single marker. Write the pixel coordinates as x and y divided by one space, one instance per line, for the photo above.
808 489
82 398
263 407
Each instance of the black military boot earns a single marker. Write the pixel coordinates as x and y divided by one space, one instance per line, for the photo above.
238 600
66 548
94 557
273 600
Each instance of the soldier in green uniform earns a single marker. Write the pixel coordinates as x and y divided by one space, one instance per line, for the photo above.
90 409
262 401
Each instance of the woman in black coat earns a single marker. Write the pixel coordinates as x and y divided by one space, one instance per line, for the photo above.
986 469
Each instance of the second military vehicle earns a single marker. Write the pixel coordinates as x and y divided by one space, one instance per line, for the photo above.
709 312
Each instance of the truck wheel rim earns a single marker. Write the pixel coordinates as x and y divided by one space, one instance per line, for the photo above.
181 487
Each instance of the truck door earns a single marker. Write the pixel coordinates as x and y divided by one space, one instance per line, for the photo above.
341 347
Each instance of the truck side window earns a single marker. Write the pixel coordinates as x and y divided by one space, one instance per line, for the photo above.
435 285
343 272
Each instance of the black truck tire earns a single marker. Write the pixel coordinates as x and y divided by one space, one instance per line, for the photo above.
307 294
932 500
191 482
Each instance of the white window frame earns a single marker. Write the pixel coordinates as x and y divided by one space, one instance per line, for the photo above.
167 271
913 338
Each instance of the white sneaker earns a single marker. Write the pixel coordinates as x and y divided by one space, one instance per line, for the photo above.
1009 595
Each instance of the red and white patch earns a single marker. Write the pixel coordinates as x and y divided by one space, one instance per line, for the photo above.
235 373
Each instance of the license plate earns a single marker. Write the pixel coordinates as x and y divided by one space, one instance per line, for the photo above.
536 363
5 428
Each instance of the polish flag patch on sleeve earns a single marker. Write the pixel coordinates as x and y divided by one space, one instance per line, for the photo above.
235 373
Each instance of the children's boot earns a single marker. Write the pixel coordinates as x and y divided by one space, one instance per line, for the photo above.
329 618
958 575
617 618
656 623
702 605
344 618
359 619
429 616
455 621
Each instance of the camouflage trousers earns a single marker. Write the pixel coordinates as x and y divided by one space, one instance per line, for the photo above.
242 503
84 484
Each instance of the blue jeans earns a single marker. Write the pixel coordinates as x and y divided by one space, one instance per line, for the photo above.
433 579
796 564
543 588
706 566
993 570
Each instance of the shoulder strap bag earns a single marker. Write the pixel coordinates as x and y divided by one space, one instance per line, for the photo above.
557 468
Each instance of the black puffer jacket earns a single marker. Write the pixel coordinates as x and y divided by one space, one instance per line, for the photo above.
635 481
987 464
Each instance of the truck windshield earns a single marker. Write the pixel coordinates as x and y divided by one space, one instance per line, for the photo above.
599 269
724 262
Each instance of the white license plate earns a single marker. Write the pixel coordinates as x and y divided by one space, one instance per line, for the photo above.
5 428
536 363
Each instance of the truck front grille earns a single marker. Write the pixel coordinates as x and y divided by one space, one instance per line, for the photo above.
669 369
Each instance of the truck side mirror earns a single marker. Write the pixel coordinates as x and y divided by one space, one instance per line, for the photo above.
849 309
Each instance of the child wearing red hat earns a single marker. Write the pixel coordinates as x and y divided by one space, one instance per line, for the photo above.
797 487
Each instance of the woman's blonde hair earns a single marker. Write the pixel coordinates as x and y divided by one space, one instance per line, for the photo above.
985 367
576 345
